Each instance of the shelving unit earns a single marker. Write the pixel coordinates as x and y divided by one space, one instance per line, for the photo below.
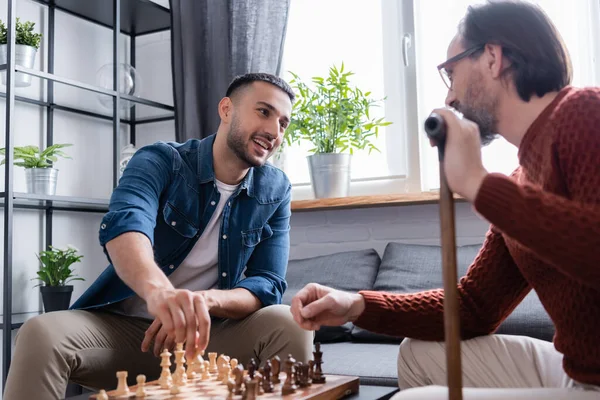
129 17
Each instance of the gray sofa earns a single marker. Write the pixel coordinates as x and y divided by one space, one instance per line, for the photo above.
403 268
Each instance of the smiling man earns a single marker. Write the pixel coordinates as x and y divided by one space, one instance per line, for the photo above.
183 224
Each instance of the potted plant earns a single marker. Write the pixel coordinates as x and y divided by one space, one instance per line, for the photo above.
27 43
335 118
55 272
41 177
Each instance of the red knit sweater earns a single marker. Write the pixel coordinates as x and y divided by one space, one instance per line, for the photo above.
545 235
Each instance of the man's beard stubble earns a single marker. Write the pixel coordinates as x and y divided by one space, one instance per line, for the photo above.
480 109
239 146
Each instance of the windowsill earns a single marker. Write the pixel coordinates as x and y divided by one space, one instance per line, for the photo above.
385 200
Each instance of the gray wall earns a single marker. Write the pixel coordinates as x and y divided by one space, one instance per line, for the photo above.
324 232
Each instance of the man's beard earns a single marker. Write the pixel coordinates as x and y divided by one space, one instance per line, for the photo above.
239 146
480 109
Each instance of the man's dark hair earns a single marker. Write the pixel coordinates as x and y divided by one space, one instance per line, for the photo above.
239 82
529 39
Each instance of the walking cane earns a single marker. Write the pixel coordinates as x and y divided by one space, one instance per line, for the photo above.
435 127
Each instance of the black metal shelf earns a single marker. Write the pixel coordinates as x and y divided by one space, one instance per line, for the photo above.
18 319
107 117
138 17
92 88
57 203
130 17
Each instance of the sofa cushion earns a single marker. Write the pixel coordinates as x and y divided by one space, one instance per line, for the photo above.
407 268
373 363
349 271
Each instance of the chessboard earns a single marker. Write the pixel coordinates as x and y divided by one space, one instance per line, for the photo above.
222 377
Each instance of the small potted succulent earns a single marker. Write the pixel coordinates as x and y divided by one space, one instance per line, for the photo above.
27 43
40 175
55 272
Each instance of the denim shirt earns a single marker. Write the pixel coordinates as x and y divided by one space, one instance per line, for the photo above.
168 193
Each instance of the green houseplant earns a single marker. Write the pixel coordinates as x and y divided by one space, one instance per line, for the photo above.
40 174
27 43
54 273
335 117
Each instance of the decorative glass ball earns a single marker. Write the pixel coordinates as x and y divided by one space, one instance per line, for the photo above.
130 82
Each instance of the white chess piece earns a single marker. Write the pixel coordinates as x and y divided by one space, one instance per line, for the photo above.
179 376
122 388
141 382
165 379
175 389
102 395
212 357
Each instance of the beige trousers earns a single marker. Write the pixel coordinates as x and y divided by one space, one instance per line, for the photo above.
89 347
494 367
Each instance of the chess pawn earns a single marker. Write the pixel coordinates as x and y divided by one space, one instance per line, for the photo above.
141 383
205 371
276 364
165 379
175 389
233 363
102 395
122 388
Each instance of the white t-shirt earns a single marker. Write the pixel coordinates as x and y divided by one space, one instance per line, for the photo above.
199 270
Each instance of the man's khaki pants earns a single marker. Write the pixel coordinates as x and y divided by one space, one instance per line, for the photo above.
89 347
494 367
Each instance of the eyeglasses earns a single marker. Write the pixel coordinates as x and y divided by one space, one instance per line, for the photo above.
442 67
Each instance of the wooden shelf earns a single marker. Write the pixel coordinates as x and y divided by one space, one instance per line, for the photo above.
385 200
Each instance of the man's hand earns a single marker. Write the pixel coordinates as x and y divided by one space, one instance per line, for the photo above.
462 155
182 316
317 305
162 338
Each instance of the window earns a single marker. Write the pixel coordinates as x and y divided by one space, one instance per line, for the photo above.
393 47
322 33
576 23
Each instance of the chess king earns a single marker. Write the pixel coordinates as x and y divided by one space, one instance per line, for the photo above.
183 223
508 73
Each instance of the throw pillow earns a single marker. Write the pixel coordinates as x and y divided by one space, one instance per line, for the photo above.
349 271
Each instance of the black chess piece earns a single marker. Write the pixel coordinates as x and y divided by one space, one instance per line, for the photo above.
266 382
276 369
303 375
251 368
289 386
318 376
